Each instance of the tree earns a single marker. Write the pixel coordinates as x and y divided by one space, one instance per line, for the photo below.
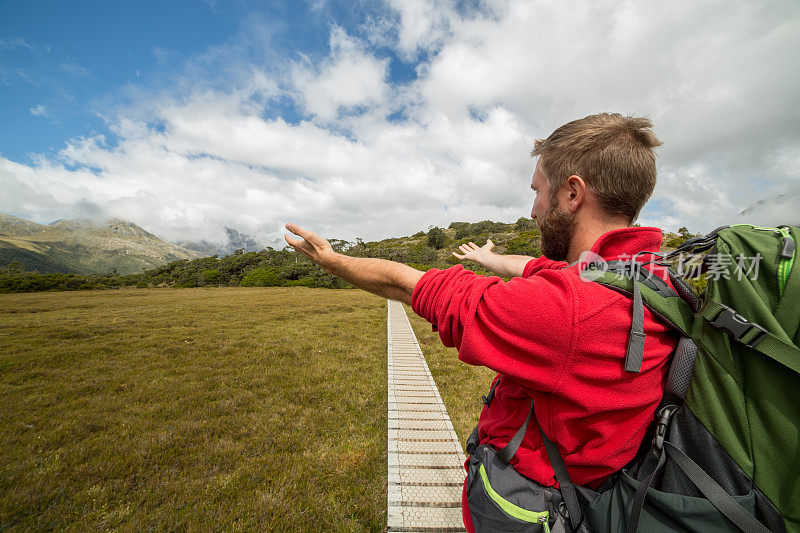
211 276
524 224
340 245
526 243
261 277
436 237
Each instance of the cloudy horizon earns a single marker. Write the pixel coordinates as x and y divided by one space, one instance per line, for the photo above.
380 119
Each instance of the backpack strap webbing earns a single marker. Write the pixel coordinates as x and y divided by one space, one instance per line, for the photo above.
644 276
714 493
620 276
673 310
751 334
487 400
635 352
568 491
663 415
508 451
564 482
641 494
723 501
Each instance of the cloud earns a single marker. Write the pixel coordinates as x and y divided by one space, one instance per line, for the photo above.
163 55
719 84
71 67
10 43
350 79
40 111
250 135
424 25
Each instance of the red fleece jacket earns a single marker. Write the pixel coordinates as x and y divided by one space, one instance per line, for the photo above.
560 340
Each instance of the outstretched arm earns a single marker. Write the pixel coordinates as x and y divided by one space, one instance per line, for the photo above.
508 266
378 276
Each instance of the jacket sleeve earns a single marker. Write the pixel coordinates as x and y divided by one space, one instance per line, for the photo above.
522 328
541 263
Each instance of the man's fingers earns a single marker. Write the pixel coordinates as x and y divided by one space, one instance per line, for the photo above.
460 256
297 230
309 238
301 245
294 228
297 244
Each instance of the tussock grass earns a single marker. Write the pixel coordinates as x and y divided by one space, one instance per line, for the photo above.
194 409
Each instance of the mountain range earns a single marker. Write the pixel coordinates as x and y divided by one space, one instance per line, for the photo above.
236 241
85 247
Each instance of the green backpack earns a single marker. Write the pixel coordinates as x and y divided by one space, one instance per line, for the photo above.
725 455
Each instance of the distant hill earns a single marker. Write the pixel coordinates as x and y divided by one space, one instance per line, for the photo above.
267 267
84 247
236 241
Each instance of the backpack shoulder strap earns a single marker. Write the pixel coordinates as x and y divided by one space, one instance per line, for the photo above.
673 309
647 290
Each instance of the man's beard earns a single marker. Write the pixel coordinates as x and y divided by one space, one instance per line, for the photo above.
557 229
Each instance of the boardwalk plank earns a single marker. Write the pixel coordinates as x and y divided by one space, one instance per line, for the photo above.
425 459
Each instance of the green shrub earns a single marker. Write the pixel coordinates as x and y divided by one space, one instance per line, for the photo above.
211 277
305 281
698 284
674 242
262 277
526 243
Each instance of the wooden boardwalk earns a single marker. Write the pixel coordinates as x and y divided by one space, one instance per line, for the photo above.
426 461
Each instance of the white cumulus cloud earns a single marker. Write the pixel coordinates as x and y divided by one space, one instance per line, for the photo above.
350 78
335 143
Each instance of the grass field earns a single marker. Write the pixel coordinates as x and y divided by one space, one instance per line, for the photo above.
255 409
195 409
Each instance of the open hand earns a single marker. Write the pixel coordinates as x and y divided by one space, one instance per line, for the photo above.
310 244
476 253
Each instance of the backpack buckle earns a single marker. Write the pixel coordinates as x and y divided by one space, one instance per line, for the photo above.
664 416
737 326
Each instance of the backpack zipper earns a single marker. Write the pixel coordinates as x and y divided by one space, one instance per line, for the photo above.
788 250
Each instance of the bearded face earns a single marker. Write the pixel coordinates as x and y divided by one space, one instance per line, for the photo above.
557 229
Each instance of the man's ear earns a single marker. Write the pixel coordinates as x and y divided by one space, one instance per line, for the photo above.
575 191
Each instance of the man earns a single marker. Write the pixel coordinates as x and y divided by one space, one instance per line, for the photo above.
550 335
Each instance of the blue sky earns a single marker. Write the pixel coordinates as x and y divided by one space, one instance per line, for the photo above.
377 118
75 61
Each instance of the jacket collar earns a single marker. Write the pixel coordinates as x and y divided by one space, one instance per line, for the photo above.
624 243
